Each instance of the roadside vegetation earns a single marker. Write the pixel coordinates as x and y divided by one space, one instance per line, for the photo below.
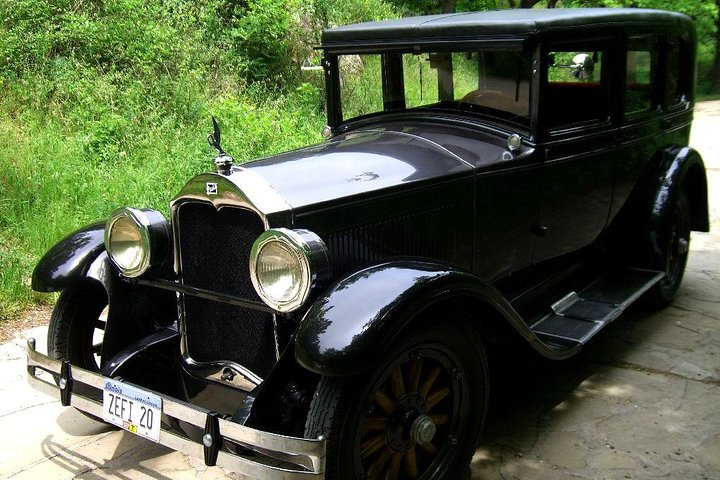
105 104
108 103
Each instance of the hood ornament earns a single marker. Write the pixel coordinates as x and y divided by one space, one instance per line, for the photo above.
223 162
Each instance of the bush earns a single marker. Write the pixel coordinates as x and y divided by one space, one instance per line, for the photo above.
260 33
104 104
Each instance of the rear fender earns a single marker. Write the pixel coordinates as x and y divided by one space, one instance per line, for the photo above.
349 327
682 169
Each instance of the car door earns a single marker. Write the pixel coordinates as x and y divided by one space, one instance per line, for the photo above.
579 152
506 207
655 109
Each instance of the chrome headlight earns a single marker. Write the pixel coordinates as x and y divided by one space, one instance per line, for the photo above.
285 265
136 239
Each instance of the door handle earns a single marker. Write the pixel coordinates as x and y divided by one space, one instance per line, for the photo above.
539 230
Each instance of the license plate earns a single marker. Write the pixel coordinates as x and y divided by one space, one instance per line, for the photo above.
132 409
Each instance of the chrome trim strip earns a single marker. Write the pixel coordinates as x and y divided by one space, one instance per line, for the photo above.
424 139
199 292
278 457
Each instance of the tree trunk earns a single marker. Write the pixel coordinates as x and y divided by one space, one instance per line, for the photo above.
715 75
448 6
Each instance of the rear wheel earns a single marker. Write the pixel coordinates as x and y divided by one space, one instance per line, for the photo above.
417 415
677 247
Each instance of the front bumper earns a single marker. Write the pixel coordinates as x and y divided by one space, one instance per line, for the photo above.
270 457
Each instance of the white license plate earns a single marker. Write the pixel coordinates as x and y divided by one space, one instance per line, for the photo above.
133 409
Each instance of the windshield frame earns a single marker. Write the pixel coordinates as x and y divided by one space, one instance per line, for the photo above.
478 114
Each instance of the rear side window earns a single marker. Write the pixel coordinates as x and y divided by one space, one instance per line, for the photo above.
641 74
676 82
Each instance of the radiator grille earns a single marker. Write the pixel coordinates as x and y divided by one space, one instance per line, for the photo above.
214 254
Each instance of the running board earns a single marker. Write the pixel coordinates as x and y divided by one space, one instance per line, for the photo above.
577 317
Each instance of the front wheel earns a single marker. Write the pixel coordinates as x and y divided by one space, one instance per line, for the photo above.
416 415
76 329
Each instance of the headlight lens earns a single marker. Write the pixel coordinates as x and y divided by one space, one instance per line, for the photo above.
285 265
280 272
126 244
134 239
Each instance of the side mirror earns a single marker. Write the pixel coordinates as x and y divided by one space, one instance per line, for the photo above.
583 66
307 65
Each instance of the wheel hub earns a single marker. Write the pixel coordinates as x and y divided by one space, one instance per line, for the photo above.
422 430
403 422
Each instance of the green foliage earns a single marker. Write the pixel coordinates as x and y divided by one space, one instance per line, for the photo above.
261 33
329 13
104 104
107 103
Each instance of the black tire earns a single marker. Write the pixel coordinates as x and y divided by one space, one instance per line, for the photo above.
372 421
76 327
675 255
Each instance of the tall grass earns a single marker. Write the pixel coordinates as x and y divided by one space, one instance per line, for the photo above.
58 177
106 104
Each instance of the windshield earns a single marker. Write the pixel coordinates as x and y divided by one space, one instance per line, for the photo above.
490 83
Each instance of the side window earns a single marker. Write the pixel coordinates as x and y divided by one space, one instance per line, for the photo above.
676 75
359 80
641 60
576 89
494 79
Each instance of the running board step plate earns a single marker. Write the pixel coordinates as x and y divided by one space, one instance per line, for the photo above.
577 317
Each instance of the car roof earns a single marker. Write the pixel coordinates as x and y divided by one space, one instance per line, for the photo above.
506 23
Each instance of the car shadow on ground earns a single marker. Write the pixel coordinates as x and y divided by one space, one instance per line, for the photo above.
531 395
125 462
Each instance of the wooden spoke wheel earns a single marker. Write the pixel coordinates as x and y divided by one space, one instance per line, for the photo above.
417 415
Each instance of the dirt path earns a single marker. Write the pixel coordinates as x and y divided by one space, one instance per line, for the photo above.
30 318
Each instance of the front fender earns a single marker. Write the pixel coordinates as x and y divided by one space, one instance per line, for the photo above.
134 311
69 260
349 327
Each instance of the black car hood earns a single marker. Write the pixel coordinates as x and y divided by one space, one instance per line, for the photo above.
356 163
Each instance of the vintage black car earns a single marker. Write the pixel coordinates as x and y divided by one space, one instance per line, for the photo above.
496 178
